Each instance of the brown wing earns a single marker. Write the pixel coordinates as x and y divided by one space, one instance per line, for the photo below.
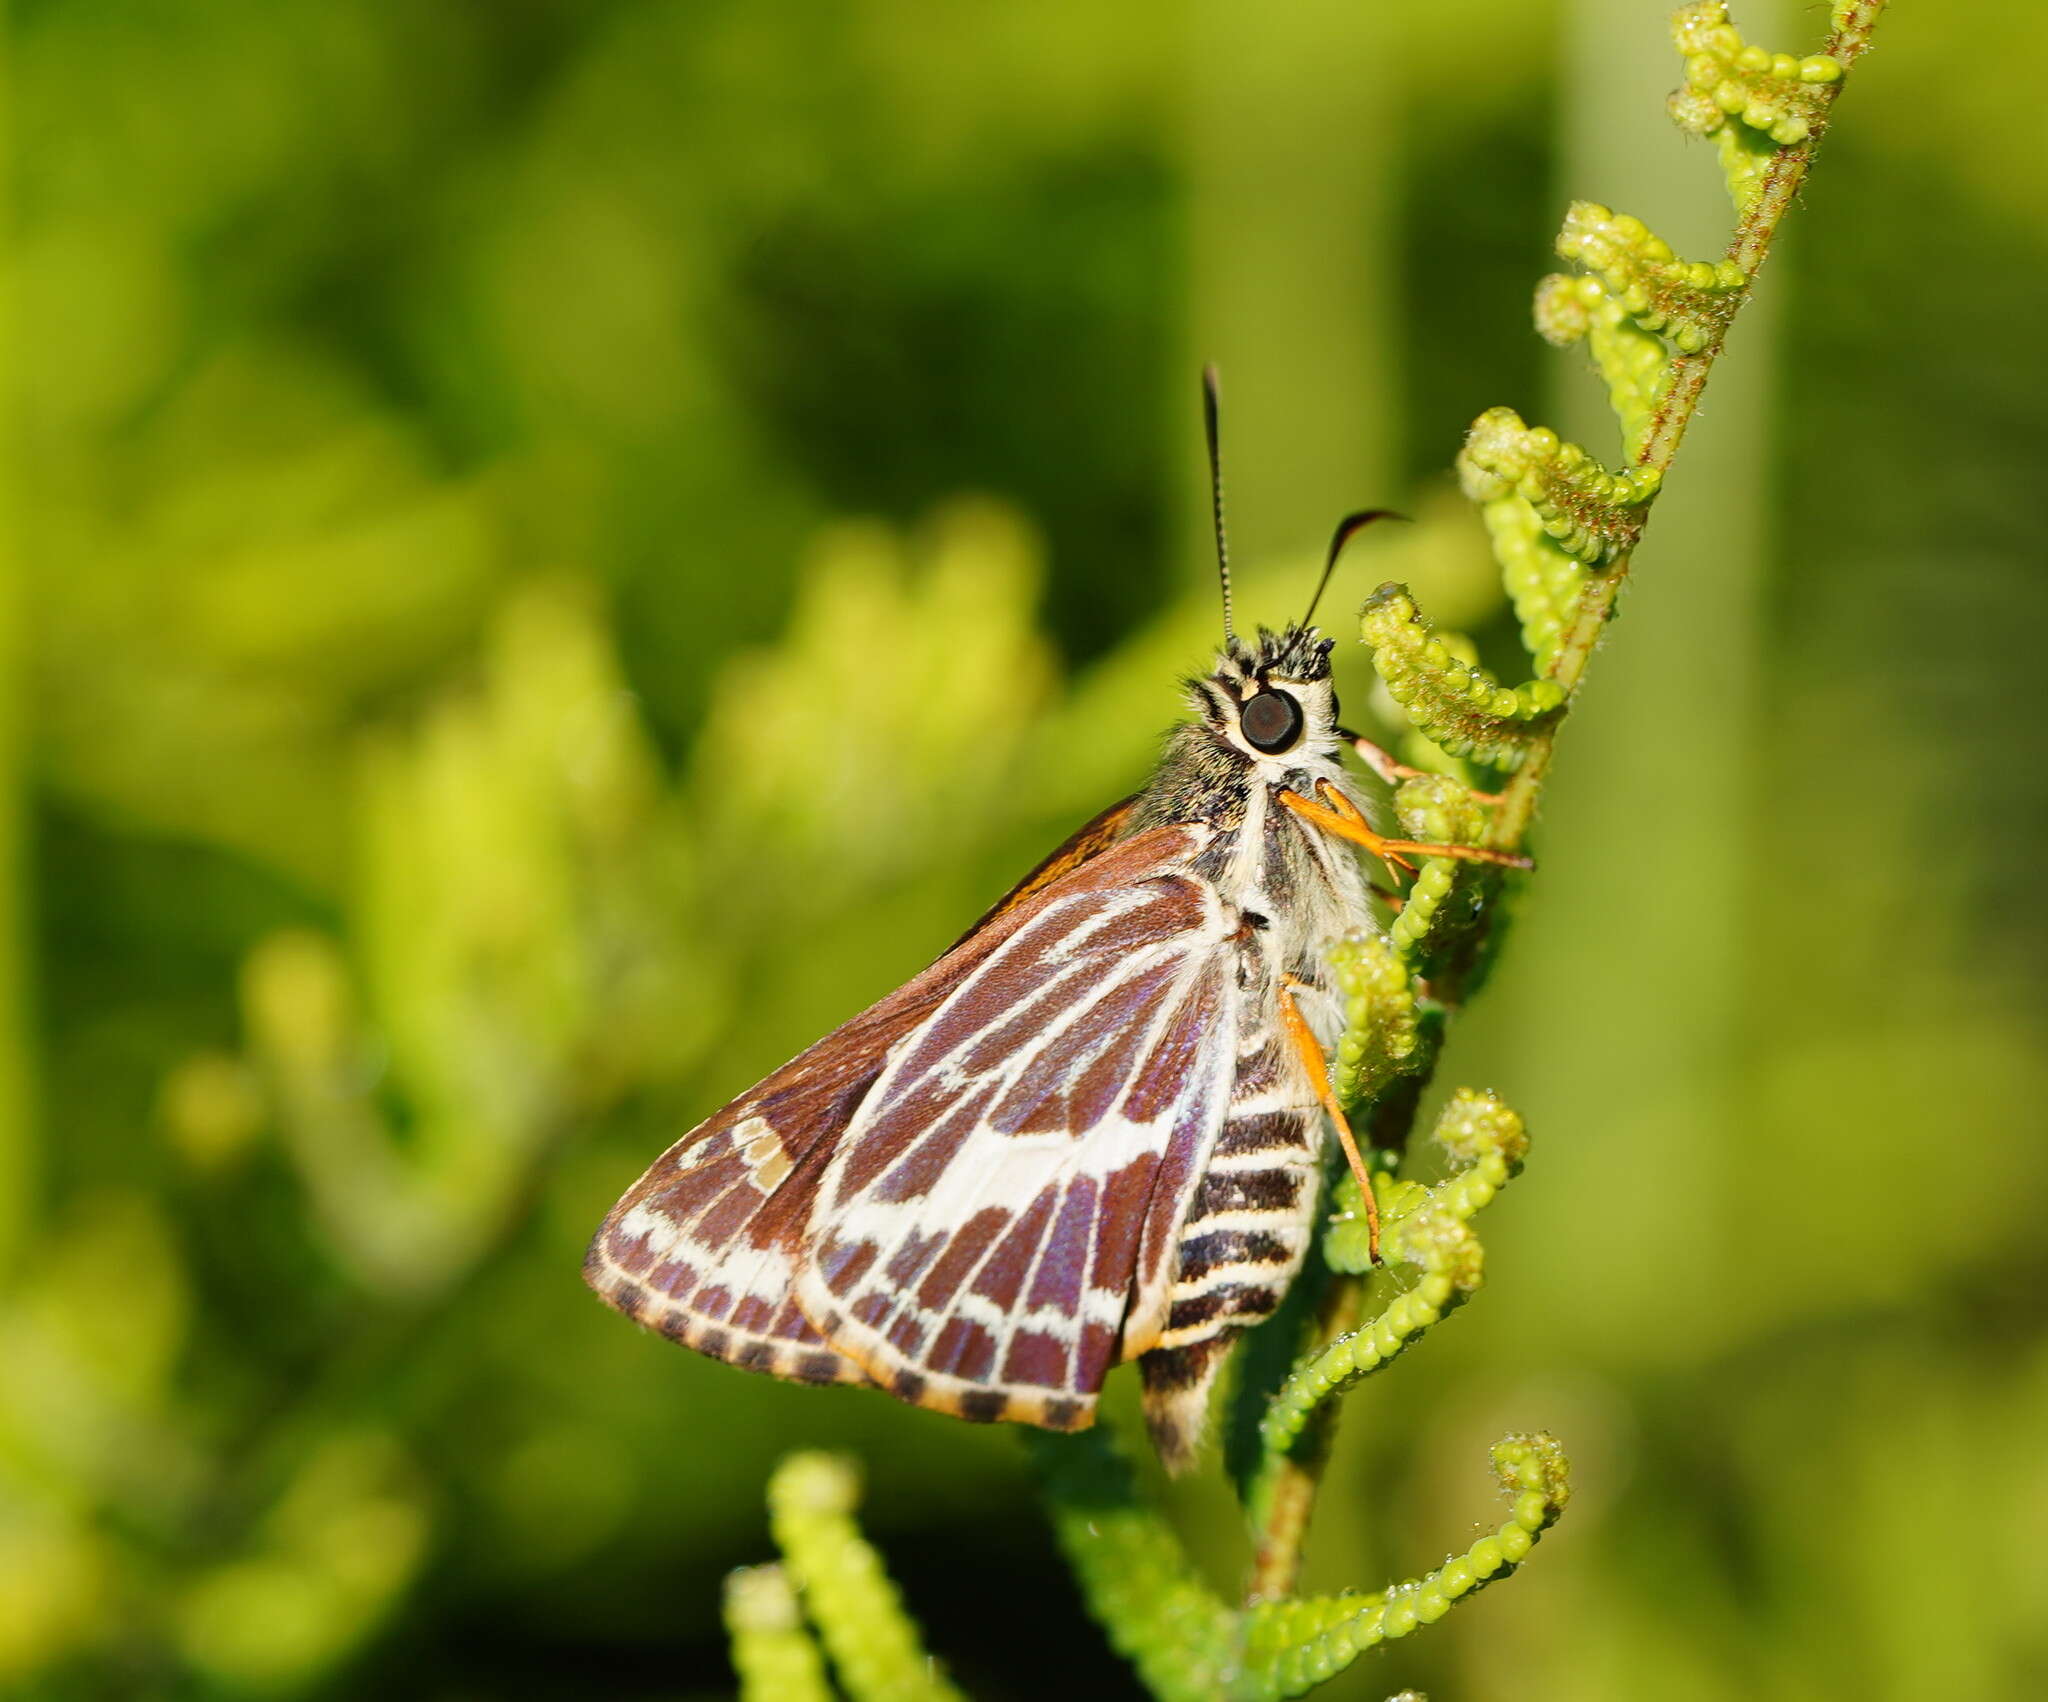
1090 839
996 1228
703 1247
706 1246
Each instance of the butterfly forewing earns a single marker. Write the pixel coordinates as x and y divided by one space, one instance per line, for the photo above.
996 1228
969 1193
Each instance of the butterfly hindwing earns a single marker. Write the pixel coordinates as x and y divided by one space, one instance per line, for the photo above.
719 1244
997 1227
704 1247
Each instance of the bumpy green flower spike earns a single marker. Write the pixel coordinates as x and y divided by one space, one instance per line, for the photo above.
1381 1035
771 1651
1542 578
1137 1579
1453 703
1750 100
1630 359
1426 1227
875 1648
1638 295
1293 1646
1689 302
1433 809
1594 514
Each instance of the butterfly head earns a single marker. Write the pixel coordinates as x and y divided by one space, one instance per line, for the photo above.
1272 698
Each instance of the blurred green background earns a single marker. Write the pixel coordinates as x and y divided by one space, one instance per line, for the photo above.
564 547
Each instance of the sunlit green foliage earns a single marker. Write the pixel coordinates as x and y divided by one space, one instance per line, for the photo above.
1185 1642
370 356
1454 703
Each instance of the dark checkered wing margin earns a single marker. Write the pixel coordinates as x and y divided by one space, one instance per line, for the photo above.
970 1194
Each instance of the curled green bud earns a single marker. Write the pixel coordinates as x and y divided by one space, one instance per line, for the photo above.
775 1657
1630 359
1293 1646
1543 579
1593 513
1732 87
1435 809
1427 1228
1482 1134
814 1486
1438 810
1423 904
1380 1038
1455 704
1534 1465
1688 302
1562 309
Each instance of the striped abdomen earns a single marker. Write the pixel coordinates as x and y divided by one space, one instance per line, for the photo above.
1241 1244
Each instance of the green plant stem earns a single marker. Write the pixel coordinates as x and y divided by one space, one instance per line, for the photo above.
1291 1496
1685 380
1282 1523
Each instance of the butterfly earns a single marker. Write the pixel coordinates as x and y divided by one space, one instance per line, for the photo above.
1093 1131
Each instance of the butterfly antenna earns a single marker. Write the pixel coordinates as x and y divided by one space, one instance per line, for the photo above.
1350 524
1209 422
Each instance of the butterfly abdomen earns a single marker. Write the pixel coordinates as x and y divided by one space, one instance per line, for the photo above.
1241 1247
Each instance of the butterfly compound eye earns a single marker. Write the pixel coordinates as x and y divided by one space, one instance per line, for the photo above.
1271 721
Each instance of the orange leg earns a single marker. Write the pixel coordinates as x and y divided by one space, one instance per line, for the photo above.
1309 1050
1340 817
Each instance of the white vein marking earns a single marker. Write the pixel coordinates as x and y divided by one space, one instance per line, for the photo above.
1018 1169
